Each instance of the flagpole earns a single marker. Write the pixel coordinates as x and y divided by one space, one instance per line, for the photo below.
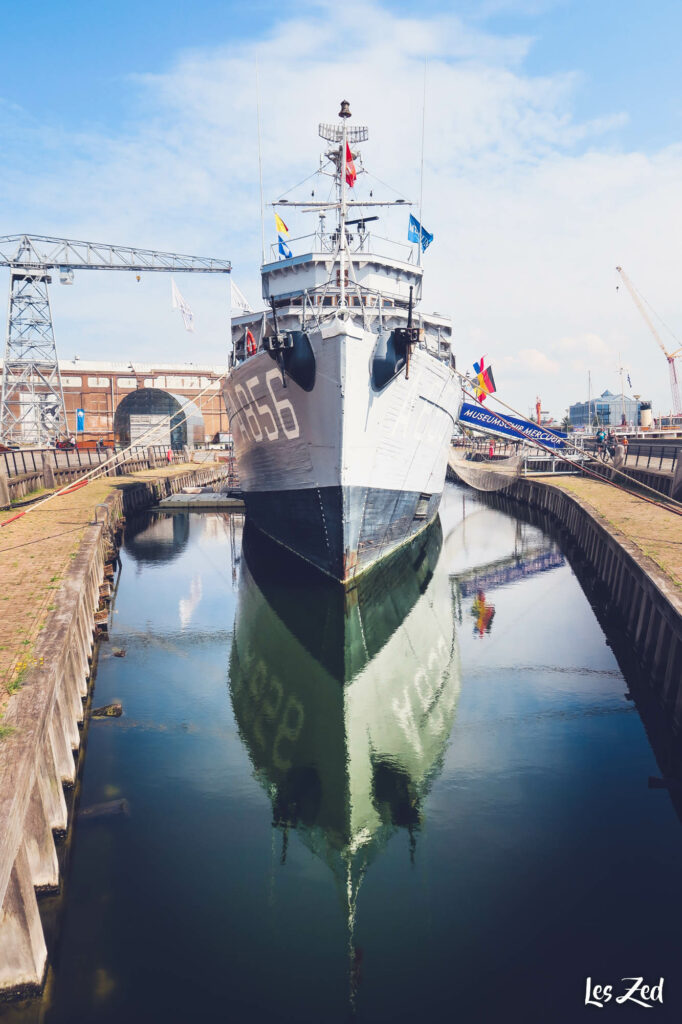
260 168
421 172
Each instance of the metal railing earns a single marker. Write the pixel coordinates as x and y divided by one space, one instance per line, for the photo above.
30 460
369 243
659 457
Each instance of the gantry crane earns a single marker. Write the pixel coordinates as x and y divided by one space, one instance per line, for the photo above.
670 356
32 400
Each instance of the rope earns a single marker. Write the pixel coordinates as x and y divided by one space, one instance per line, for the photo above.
667 507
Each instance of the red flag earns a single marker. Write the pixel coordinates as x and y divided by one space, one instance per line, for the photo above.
351 174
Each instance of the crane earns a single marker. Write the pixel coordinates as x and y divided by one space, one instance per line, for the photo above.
670 356
32 400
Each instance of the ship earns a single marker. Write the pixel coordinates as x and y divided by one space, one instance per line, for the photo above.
341 395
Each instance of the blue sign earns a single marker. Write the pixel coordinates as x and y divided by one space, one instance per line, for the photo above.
484 419
80 419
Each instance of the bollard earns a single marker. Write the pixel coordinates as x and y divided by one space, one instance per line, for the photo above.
186 453
48 472
151 458
5 499
676 486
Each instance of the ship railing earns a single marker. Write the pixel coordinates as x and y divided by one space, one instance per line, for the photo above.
366 244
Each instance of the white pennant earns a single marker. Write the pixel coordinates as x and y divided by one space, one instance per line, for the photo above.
239 300
177 302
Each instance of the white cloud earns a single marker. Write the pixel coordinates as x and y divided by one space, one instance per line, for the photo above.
529 363
531 209
586 352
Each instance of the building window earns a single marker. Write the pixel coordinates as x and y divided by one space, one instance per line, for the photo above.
98 382
72 382
127 382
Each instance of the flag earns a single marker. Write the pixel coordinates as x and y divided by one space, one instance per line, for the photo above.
415 229
485 381
282 229
238 299
629 381
177 302
351 173
284 249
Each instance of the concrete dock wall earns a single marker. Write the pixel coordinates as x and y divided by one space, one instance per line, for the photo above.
641 599
38 759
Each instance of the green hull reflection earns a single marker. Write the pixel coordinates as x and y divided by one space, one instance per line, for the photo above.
345 699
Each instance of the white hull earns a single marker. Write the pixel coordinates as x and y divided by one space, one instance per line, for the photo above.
342 473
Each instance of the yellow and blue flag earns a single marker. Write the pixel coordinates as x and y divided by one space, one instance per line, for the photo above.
282 229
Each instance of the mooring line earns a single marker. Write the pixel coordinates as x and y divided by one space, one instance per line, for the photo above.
669 506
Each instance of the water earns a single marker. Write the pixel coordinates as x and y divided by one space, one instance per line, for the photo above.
461 831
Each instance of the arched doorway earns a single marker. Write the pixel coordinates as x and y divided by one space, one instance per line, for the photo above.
148 408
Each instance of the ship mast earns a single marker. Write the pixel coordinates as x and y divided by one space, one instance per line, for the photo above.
344 114
344 137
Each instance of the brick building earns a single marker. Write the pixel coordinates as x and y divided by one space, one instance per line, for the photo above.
99 387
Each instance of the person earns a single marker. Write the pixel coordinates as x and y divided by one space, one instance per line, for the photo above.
491 449
169 455
72 440
99 445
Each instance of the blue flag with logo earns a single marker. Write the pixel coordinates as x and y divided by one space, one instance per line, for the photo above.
284 249
415 229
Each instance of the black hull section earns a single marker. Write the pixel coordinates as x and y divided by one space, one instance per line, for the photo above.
341 530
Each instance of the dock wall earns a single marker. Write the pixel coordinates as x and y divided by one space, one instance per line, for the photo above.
38 759
642 602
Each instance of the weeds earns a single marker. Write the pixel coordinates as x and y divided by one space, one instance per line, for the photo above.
21 670
5 731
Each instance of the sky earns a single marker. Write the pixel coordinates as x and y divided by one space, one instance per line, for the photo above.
553 153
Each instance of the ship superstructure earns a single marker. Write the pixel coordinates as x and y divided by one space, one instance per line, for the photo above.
341 397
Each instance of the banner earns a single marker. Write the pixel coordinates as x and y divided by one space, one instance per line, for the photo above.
484 419
80 420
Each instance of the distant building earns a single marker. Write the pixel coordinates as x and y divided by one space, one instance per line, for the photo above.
107 398
608 409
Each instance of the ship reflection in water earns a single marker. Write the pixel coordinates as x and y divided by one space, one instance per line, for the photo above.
345 699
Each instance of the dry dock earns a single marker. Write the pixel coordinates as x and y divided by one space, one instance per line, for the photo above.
53 583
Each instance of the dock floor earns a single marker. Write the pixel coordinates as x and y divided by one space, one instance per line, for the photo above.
655 531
